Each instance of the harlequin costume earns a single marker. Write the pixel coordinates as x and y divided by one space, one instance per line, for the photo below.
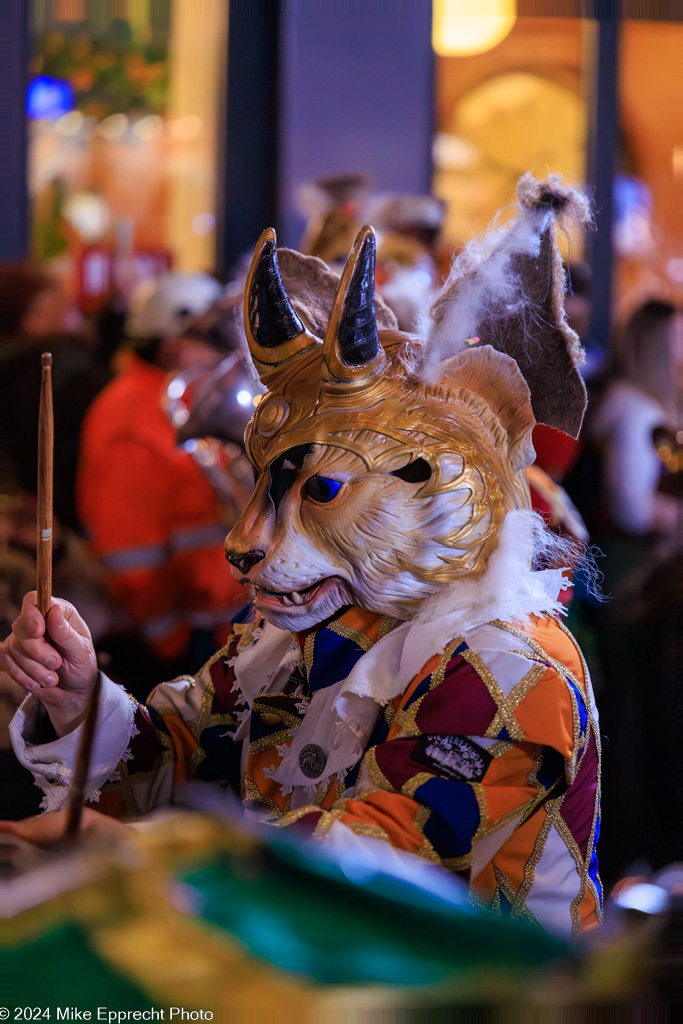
402 674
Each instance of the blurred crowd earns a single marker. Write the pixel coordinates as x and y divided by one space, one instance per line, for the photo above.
151 397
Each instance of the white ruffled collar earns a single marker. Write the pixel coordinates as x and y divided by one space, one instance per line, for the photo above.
340 718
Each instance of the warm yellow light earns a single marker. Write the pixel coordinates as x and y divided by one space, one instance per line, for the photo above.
148 128
464 27
186 128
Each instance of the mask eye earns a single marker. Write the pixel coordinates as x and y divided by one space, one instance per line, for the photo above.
415 472
321 489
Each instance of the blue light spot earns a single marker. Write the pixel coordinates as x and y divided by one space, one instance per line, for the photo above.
48 97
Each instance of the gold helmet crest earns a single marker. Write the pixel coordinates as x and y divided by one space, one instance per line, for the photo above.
460 436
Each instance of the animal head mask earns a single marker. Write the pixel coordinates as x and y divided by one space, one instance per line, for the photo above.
385 462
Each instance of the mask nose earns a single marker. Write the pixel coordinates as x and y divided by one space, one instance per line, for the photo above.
246 561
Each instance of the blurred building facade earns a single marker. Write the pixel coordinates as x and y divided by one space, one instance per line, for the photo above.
167 133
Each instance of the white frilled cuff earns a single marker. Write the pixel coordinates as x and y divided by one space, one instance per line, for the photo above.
52 764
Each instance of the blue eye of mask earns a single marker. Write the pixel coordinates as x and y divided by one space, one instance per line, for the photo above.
322 489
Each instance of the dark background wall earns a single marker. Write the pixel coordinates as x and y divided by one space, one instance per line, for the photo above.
350 74
13 191
312 85
247 175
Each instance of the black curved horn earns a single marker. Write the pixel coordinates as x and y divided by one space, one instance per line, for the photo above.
351 341
274 330
271 315
357 331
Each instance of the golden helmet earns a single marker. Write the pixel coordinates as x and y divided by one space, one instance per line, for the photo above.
447 412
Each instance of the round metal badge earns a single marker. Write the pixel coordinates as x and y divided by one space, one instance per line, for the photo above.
312 760
271 415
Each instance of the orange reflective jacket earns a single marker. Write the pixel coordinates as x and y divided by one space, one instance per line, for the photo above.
151 515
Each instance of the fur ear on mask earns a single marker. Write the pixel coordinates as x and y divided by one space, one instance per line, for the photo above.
311 287
508 289
496 378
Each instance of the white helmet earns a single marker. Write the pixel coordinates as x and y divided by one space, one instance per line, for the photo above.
161 306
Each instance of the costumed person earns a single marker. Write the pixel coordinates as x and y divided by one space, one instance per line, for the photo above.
76 576
149 511
334 207
210 407
402 673
407 271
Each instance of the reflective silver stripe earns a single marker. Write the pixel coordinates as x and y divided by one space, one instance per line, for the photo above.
155 628
146 556
151 556
198 536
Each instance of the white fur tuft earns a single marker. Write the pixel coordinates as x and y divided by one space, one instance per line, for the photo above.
515 584
482 279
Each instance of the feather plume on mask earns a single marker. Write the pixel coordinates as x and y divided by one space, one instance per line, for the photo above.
507 290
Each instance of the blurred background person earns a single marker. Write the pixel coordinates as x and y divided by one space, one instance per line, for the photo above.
408 253
210 404
335 207
639 401
623 479
627 483
150 513
408 229
36 316
33 304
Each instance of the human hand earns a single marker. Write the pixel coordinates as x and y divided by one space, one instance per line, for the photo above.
46 829
52 658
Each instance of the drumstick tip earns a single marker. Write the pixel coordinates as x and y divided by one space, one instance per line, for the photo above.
46 359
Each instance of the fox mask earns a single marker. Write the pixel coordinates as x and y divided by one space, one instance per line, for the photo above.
377 483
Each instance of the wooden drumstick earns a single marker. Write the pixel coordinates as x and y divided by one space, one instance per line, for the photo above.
46 439
79 779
